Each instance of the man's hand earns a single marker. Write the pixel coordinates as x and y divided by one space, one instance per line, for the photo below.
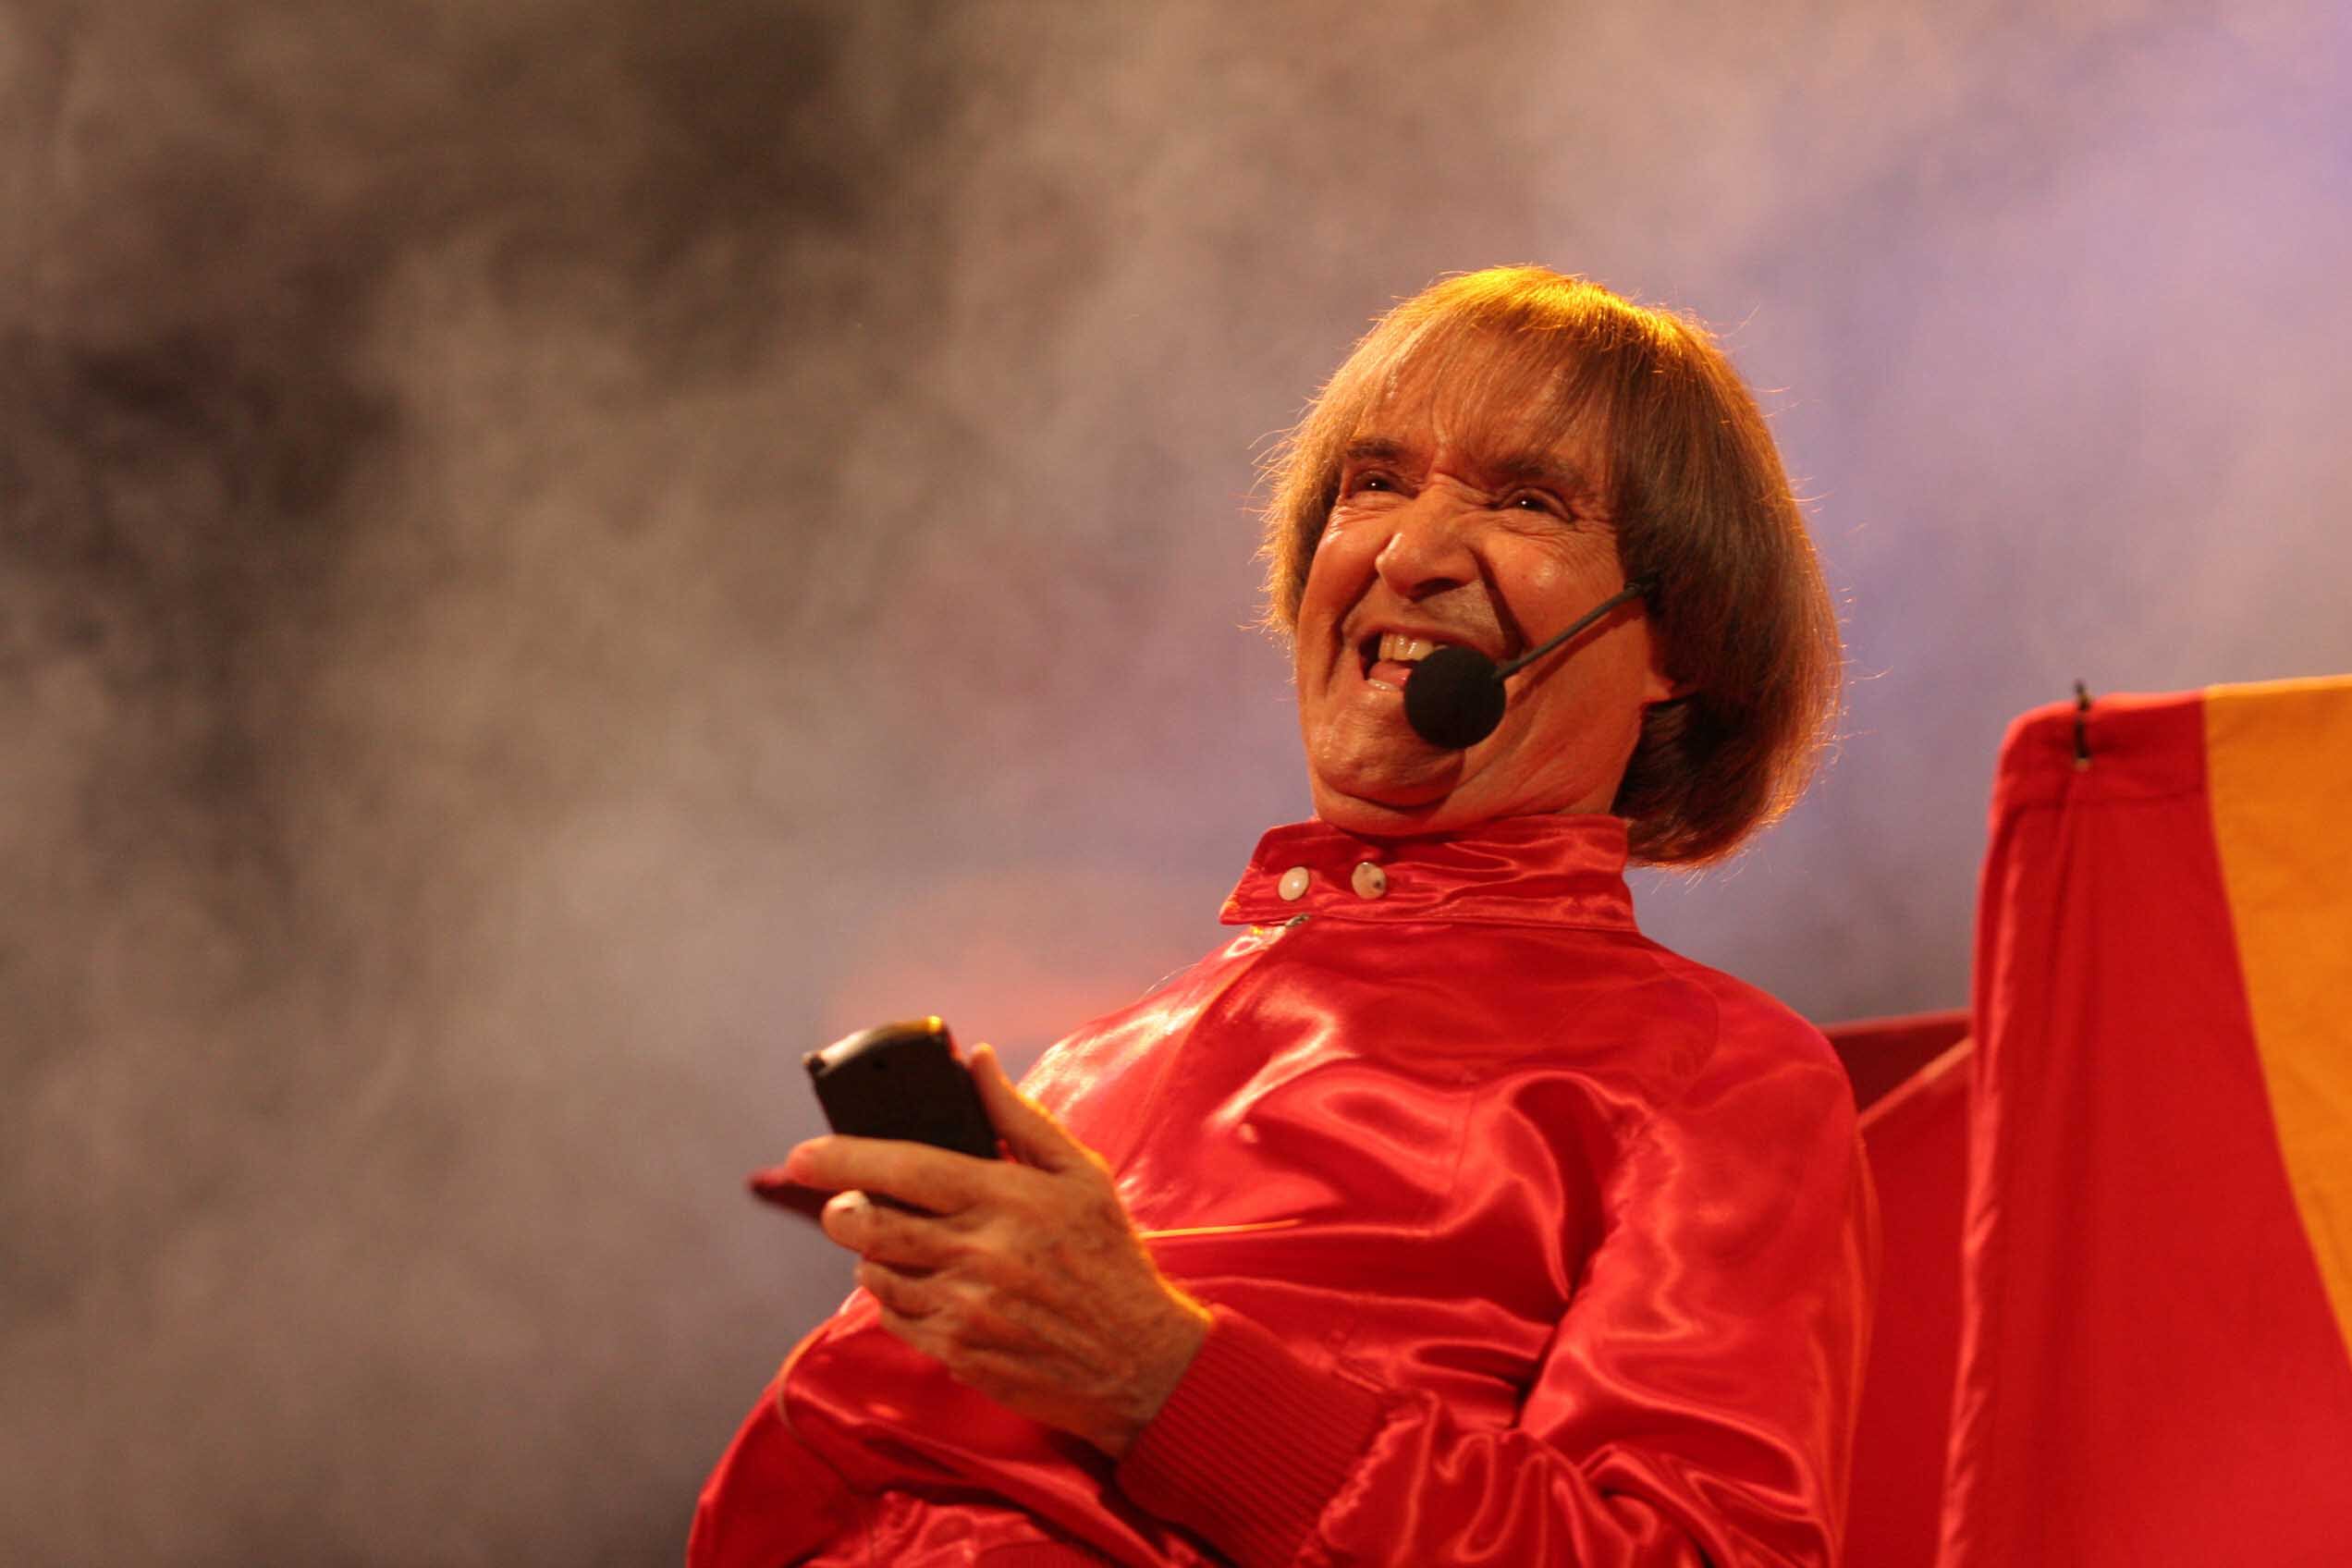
1025 1278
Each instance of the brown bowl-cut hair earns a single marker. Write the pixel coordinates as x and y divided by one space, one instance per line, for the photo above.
1701 505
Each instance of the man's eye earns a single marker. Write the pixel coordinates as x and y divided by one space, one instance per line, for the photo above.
1371 481
1530 501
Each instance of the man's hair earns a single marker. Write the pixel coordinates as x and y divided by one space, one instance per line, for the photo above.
1695 486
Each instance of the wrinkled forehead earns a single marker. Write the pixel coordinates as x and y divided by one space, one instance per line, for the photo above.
1479 388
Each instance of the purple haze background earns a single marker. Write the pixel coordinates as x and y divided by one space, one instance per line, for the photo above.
552 556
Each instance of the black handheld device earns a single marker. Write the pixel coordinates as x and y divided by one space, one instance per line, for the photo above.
903 1081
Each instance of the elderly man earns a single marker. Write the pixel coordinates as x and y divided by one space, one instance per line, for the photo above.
1439 1217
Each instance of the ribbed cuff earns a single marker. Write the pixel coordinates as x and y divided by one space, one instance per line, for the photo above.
1039 1554
1252 1446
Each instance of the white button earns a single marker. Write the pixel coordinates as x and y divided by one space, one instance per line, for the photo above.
1293 883
1370 880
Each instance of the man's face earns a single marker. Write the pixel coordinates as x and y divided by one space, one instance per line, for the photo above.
1450 527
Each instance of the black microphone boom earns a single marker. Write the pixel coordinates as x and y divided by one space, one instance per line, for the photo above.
1454 698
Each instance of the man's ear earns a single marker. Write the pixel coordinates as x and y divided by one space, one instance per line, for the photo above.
1656 685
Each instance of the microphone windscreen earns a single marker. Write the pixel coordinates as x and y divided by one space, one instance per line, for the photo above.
1453 698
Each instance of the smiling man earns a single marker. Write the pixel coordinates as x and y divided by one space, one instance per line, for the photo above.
1460 518
1439 1217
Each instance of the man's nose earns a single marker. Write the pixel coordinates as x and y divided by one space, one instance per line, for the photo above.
1431 547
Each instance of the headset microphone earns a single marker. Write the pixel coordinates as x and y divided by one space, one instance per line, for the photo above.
1454 696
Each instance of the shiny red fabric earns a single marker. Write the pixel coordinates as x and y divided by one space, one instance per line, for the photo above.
1528 1240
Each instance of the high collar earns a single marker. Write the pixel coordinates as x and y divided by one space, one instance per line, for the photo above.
1512 871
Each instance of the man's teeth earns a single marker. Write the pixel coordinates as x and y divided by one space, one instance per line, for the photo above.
1403 649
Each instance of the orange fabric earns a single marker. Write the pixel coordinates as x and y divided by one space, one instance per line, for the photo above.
2151 1370
2279 757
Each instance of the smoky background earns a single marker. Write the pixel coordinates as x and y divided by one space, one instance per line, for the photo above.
555 555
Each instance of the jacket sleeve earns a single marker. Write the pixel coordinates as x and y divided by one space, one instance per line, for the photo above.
1695 1404
770 1500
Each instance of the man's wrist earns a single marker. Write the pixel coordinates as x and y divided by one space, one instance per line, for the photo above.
1161 1366
1251 1445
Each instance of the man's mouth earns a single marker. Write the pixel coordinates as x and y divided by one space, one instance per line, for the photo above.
1388 656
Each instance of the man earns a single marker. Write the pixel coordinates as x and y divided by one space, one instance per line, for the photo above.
1441 1216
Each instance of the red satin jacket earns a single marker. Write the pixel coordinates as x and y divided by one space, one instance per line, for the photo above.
1527 1242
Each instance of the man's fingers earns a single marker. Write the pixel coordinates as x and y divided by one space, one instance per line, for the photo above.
938 1180
888 1235
773 1185
1034 1137
907 1295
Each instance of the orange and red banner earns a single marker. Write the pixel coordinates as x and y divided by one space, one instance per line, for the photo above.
2156 1353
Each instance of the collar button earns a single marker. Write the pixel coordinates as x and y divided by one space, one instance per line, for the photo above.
1369 880
1293 883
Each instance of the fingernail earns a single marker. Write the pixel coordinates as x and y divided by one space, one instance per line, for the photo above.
845 1203
769 1179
